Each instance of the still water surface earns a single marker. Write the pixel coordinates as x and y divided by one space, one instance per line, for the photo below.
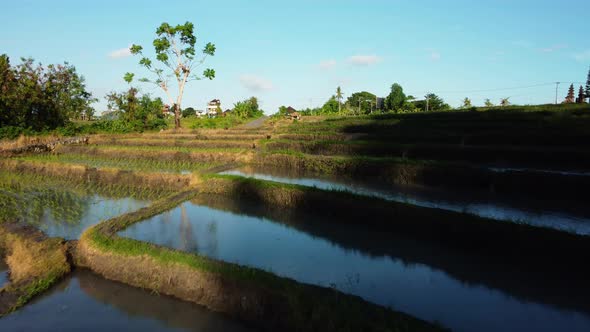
404 274
576 219
86 302
61 212
3 272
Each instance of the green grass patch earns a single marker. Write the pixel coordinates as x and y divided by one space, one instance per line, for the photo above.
134 164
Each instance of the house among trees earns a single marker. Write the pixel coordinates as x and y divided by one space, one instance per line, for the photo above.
213 108
292 114
167 110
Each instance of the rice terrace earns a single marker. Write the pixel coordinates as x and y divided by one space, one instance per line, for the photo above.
165 197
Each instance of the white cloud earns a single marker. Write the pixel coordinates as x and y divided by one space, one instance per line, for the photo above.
327 64
255 83
364 60
522 43
553 48
120 53
434 56
582 56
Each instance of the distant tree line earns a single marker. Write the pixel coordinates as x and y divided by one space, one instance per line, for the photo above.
365 102
37 98
398 102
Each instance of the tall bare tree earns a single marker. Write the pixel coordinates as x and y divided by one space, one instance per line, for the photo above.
175 50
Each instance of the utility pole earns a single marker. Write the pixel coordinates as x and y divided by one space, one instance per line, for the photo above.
427 100
370 106
359 107
556 87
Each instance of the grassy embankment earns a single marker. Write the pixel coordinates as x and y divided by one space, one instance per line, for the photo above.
35 263
445 149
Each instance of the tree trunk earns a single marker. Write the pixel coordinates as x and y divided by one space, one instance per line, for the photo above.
177 116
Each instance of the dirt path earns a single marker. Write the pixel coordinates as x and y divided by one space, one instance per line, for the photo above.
255 124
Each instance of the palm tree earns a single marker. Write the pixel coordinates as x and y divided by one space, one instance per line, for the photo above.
339 97
505 101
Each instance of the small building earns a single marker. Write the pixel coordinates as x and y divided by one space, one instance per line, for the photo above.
213 107
226 112
167 111
292 114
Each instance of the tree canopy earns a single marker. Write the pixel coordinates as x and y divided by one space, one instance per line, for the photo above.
396 98
35 97
176 58
433 102
247 109
137 112
364 99
332 106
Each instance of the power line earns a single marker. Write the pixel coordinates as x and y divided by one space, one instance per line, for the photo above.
501 89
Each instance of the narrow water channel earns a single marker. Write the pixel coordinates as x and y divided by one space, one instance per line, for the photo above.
3 272
571 219
87 302
461 292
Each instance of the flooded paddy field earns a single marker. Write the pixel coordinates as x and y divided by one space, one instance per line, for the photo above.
391 271
567 216
180 216
60 211
85 301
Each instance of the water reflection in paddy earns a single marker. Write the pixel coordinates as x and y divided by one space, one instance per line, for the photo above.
86 302
61 212
3 272
401 273
574 219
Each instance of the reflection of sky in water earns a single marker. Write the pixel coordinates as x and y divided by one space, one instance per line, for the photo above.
491 210
523 169
86 302
98 209
3 272
62 213
416 289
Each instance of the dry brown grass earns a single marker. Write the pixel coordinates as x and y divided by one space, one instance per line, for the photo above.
226 144
35 263
77 173
23 141
169 155
31 259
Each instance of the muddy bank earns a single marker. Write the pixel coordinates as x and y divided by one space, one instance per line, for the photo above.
43 147
260 298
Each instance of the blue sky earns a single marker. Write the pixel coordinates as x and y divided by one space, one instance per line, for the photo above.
297 52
